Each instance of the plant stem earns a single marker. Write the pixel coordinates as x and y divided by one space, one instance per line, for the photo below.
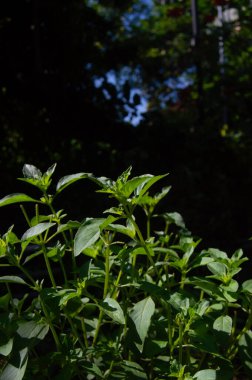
114 293
170 329
97 327
106 282
180 343
25 215
63 271
48 319
75 332
48 266
232 351
143 244
83 326
148 225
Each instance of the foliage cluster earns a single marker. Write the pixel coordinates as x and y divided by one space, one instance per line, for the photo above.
115 298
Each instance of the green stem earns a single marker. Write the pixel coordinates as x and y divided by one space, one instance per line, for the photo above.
27 274
49 204
83 326
25 215
232 351
106 282
63 270
98 327
183 277
10 294
180 343
48 319
75 332
108 372
48 266
170 329
114 293
143 244
148 225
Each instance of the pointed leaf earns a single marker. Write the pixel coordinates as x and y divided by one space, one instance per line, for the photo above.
141 315
69 179
247 286
14 279
5 350
16 198
30 171
132 185
87 234
134 370
112 308
205 374
123 230
174 218
37 230
148 183
218 269
15 369
223 324
50 171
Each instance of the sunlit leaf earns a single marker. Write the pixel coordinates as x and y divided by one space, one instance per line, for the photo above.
36 230
112 308
87 234
16 198
141 316
14 279
205 374
69 179
223 324
5 349
30 171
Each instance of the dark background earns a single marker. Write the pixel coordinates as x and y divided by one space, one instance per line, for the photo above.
51 110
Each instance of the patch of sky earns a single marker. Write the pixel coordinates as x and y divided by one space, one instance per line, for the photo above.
175 84
139 11
118 79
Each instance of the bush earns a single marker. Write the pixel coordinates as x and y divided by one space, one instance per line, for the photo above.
118 299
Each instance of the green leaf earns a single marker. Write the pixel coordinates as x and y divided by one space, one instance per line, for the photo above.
218 269
50 171
134 370
141 316
206 374
223 324
15 369
247 286
69 179
87 234
245 351
150 180
36 230
71 224
91 251
155 290
122 179
217 254
4 301
174 218
32 330
16 198
112 308
132 185
5 350
14 279
92 369
30 171
123 230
